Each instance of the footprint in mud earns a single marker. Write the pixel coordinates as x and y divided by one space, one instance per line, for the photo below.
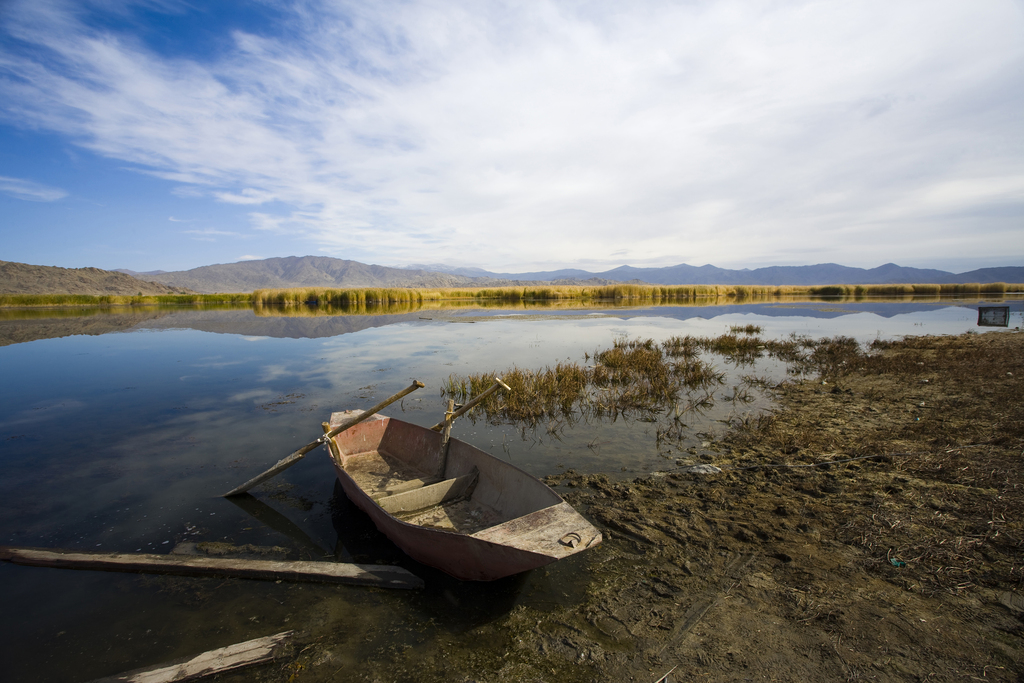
613 628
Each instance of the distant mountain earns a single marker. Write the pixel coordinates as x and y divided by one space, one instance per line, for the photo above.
466 271
820 274
323 271
303 271
142 276
22 278
1006 274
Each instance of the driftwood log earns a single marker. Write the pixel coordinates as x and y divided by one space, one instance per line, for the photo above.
383 576
256 651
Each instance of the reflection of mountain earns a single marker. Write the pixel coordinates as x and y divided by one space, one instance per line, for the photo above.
17 329
247 323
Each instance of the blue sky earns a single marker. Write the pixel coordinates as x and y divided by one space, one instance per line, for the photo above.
513 136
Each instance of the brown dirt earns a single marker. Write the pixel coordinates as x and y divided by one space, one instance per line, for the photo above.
897 565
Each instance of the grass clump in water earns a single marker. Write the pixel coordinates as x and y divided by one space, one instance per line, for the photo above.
641 378
634 377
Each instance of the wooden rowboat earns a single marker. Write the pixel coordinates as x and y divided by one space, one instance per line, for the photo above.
479 519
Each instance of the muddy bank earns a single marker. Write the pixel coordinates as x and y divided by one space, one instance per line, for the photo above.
872 527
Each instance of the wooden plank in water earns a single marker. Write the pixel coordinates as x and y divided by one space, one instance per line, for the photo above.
256 651
384 576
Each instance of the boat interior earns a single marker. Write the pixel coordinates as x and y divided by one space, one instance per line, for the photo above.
404 469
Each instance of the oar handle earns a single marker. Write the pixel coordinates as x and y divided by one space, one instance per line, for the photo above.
498 384
301 453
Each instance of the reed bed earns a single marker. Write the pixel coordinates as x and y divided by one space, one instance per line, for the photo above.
639 292
370 297
341 297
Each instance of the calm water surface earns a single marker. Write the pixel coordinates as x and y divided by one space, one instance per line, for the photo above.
122 441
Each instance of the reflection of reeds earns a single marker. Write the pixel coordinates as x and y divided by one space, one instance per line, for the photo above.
119 300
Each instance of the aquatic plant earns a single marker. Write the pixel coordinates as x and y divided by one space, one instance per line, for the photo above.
633 377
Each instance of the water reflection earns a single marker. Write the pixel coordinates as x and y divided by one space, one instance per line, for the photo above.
314 322
263 513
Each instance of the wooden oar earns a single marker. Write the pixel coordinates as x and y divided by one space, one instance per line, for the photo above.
298 455
498 384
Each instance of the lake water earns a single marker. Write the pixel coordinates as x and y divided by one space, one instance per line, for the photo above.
121 436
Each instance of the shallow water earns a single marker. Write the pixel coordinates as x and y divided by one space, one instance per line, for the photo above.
122 438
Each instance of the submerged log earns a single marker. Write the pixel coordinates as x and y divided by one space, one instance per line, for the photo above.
256 651
384 576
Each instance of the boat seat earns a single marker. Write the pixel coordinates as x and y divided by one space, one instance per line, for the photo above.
430 495
405 486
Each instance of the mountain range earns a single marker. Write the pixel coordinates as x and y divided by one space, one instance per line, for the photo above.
322 271
820 274
22 278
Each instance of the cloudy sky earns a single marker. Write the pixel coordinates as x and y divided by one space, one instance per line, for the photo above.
513 136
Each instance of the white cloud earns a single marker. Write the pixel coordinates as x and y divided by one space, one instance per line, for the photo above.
30 191
211 232
543 133
246 196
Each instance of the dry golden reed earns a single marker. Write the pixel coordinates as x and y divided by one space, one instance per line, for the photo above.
370 297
